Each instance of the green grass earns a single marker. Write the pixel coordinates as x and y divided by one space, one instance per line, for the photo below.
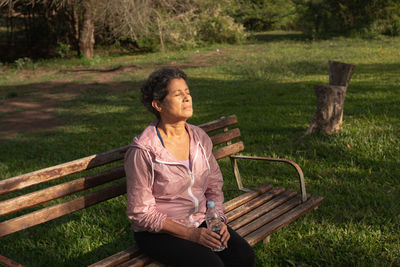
269 85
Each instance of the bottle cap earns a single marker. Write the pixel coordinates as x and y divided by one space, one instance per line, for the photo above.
210 204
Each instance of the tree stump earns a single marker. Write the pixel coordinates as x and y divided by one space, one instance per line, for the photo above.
330 99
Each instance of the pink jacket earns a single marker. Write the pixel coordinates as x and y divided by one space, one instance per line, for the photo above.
158 186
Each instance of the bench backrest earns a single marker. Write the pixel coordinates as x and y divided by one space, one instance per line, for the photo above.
14 204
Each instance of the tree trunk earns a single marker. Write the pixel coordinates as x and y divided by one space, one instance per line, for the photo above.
86 40
76 30
330 99
73 25
10 26
340 73
160 32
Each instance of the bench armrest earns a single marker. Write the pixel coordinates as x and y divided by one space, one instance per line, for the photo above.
292 163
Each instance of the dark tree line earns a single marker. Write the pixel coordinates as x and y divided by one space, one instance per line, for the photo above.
320 18
40 28
343 17
46 28
34 28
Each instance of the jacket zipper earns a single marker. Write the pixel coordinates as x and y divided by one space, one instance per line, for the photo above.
195 199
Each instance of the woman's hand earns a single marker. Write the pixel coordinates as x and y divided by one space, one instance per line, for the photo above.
201 235
205 237
224 234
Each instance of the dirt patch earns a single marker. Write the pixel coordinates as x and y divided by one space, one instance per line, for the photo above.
32 113
35 110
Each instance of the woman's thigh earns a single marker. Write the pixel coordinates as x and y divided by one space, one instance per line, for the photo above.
176 251
238 253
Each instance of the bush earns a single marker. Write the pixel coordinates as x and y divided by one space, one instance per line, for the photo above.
23 63
170 23
264 15
390 20
148 44
63 50
221 29
319 18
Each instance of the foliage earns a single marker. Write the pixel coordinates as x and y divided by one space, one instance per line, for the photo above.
216 27
389 20
157 25
263 15
54 28
23 63
319 18
63 50
33 28
220 29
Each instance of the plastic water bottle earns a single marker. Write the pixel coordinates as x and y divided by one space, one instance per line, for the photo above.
213 221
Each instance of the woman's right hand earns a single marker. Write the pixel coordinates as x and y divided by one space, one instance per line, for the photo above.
205 237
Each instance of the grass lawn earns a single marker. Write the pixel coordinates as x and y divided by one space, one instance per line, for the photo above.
268 84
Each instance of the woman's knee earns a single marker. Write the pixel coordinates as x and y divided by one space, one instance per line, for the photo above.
239 253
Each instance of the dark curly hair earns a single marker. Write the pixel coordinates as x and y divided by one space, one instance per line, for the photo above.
156 86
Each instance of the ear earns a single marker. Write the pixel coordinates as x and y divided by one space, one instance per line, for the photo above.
157 105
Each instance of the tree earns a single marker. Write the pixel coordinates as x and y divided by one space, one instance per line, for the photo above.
86 37
147 24
321 18
53 21
157 24
261 15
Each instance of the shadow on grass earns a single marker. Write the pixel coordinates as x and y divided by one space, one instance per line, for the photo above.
387 68
280 36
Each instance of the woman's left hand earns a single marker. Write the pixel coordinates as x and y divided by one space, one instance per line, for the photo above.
224 233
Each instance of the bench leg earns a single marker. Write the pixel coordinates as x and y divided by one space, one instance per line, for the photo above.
237 175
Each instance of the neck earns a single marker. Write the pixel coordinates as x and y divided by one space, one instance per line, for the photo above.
175 129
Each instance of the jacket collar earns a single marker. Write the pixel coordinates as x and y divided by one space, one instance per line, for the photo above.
149 141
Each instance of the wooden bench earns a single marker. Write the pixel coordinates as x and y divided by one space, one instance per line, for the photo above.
255 214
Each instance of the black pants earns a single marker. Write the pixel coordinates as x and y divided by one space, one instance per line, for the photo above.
175 251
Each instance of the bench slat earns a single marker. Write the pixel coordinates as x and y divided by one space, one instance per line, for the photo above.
275 213
50 213
155 264
252 204
228 150
138 261
219 124
225 136
282 221
243 198
117 258
8 262
61 170
58 191
261 210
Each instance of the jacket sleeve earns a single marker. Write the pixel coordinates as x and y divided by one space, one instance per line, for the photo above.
141 205
215 181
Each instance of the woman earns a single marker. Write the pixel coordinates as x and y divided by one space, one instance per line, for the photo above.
171 174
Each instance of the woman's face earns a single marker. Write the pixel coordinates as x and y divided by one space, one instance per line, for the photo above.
177 105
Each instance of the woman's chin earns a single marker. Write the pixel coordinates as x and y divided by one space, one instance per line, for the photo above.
188 113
